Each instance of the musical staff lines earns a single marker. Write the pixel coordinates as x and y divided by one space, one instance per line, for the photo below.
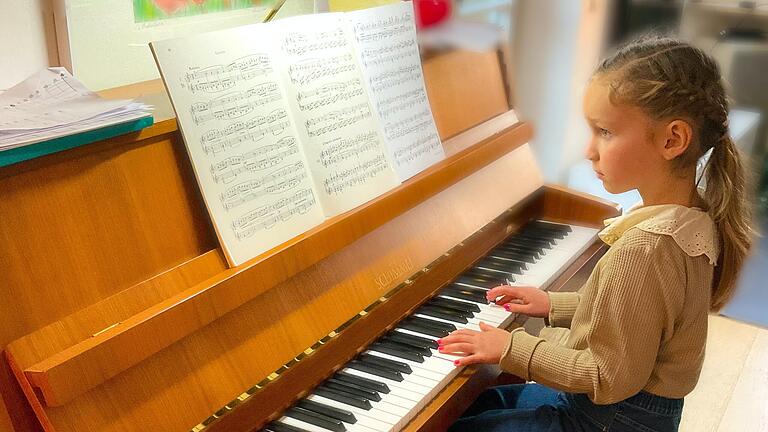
267 216
213 79
401 102
225 171
340 181
383 28
408 125
307 71
328 94
421 146
392 67
338 119
400 76
216 141
339 149
278 181
301 43
235 104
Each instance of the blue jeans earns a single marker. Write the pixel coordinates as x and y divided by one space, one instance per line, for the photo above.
536 408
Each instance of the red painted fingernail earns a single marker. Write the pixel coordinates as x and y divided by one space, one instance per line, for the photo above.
506 307
456 362
439 341
440 348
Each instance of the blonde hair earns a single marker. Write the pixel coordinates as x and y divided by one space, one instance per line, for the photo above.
667 78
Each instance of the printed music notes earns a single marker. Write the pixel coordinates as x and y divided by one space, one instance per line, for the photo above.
332 108
241 139
386 41
289 122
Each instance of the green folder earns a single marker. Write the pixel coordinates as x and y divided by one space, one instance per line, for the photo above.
20 154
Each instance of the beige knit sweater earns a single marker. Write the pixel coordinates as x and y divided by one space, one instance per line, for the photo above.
639 322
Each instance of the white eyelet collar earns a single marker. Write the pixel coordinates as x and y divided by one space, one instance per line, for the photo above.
691 228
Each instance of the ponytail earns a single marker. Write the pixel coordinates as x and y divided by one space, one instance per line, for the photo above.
668 78
726 198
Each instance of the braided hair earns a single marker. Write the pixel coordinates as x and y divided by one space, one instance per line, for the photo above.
667 78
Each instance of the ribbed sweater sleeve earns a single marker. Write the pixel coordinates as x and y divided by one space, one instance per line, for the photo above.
562 306
629 312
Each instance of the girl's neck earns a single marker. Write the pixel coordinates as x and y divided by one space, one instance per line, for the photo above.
673 190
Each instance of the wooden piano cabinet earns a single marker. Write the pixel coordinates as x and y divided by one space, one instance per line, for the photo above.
120 314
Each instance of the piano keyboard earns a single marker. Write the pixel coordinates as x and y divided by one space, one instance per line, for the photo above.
385 386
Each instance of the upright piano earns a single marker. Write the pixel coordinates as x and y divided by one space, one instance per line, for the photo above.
119 312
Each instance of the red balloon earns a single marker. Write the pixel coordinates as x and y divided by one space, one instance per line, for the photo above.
431 12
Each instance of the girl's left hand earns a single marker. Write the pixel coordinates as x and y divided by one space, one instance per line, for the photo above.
485 346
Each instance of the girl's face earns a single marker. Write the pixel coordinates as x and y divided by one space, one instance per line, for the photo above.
621 146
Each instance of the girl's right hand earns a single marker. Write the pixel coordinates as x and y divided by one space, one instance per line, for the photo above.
526 300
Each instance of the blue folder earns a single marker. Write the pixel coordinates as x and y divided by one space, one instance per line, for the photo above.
20 154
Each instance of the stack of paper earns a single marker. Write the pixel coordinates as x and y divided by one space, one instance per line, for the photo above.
52 104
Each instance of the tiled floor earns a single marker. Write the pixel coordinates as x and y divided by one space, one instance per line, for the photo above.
732 393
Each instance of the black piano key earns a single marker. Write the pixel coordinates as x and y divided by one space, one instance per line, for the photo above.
422 349
536 252
503 267
387 363
460 292
413 326
545 232
401 351
345 398
538 237
483 282
485 278
328 411
362 382
412 340
316 419
373 370
453 304
442 314
432 323
508 262
518 256
550 225
348 387
474 290
278 426
520 241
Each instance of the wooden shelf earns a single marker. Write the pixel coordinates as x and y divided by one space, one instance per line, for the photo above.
89 363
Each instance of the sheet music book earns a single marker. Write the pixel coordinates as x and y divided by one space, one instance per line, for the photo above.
290 122
52 104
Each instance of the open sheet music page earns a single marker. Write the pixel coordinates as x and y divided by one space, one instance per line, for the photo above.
242 141
334 115
385 39
293 121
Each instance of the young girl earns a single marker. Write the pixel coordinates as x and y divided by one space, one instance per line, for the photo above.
620 354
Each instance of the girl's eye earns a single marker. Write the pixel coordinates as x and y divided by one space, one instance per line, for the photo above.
605 133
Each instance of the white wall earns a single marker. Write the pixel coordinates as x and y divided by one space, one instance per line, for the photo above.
558 44
27 39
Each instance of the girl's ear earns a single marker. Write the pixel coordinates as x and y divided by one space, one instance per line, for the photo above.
677 136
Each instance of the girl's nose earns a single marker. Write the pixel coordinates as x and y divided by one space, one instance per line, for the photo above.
590 152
